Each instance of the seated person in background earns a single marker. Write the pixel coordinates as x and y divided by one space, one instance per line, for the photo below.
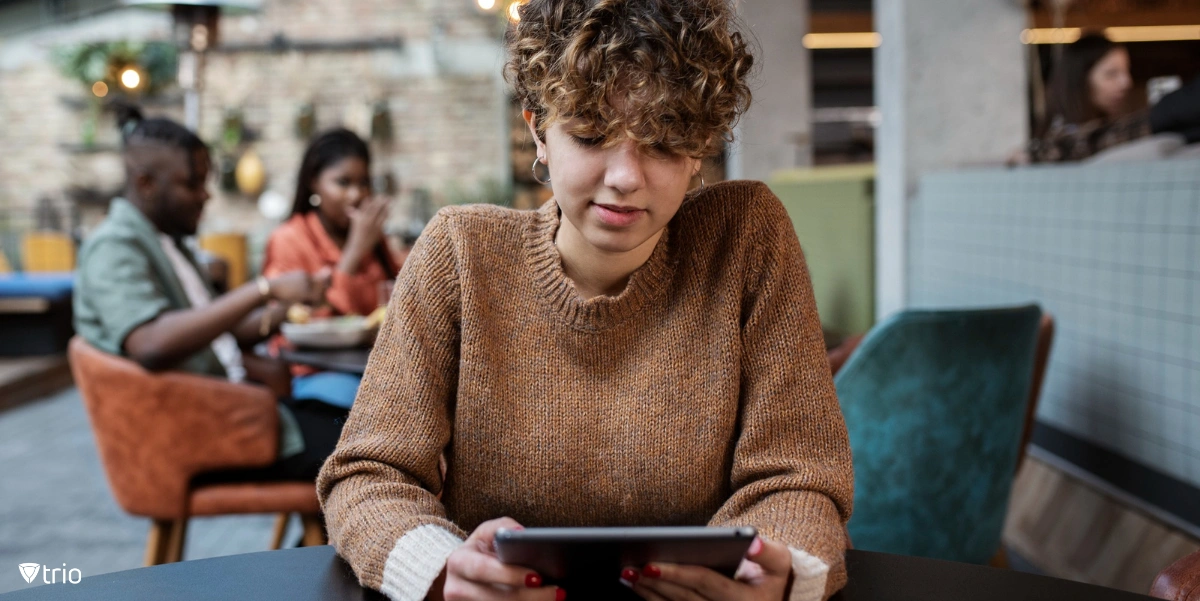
336 226
1089 101
140 293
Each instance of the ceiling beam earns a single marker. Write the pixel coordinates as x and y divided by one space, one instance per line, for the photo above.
1131 18
841 22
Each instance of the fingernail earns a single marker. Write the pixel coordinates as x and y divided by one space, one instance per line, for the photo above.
651 571
560 595
532 580
756 547
629 574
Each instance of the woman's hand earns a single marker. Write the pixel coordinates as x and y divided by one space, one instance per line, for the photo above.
366 232
473 572
763 576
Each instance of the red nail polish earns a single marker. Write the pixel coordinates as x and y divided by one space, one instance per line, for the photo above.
651 571
532 580
630 575
560 595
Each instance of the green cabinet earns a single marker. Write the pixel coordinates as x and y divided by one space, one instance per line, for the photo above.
833 211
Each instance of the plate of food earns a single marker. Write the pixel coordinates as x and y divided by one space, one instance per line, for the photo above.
347 331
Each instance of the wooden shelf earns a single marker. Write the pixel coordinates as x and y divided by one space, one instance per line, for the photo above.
76 148
173 98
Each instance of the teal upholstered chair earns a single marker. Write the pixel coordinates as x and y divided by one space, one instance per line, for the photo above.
935 402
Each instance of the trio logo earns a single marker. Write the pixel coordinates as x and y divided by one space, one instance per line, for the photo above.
29 571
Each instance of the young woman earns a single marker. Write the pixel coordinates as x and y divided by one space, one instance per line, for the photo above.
638 351
1089 105
336 227
1092 82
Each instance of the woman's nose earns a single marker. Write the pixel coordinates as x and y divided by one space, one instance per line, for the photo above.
624 171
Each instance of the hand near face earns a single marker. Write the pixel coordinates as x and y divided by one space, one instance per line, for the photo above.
366 222
763 576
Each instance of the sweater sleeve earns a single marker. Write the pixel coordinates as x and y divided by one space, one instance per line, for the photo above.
289 250
379 489
283 253
352 294
792 475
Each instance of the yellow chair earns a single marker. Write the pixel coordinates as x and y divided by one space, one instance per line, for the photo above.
47 252
232 248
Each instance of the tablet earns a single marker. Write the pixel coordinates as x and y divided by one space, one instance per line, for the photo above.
587 562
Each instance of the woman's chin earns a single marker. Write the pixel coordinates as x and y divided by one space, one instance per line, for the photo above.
616 242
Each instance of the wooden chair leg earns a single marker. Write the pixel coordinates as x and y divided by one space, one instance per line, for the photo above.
156 545
314 531
178 536
281 522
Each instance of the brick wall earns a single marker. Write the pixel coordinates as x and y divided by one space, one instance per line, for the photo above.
443 89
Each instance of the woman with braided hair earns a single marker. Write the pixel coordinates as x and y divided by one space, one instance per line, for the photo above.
643 350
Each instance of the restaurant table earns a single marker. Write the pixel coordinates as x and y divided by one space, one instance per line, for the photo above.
317 574
351 361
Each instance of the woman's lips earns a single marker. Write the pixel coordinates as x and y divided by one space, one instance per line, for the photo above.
617 216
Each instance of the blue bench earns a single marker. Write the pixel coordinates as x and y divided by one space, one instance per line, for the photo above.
35 313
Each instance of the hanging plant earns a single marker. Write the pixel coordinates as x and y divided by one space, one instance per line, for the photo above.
137 68
381 122
306 121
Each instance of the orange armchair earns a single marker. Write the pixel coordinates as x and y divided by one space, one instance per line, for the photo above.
1180 581
156 431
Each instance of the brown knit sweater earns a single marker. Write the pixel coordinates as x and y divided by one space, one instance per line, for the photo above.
699 395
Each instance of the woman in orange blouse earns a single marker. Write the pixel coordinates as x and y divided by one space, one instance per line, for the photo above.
336 225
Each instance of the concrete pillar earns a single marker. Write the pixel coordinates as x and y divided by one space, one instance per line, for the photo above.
951 87
776 132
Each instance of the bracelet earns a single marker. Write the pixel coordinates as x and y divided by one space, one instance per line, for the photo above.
264 286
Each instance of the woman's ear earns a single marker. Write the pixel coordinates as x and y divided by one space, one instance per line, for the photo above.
314 183
531 122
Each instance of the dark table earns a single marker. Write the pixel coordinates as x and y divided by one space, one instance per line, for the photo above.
351 361
317 574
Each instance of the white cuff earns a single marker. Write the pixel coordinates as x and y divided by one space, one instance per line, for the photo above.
416 561
809 574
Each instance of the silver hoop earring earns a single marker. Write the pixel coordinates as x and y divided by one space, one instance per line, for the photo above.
315 200
544 182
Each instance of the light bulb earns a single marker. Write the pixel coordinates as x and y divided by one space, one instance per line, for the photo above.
131 79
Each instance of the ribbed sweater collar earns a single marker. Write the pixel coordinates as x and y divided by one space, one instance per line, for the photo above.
602 312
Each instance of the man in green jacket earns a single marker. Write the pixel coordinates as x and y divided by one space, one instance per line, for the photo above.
140 293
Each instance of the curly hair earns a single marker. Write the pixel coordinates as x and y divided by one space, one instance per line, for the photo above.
668 74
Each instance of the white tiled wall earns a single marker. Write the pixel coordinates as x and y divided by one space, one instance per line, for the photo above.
1113 252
